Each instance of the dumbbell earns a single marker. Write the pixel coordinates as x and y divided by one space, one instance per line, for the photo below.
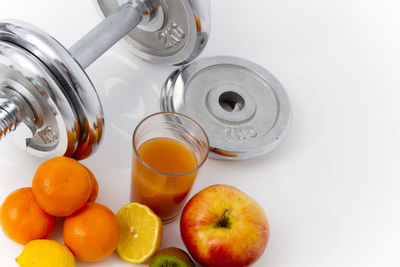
44 90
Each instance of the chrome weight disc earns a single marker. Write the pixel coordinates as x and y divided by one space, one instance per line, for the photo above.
51 128
177 34
70 78
242 107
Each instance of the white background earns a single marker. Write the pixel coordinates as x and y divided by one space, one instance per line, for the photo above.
331 190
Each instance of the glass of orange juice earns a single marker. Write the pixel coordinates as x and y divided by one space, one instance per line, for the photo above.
168 150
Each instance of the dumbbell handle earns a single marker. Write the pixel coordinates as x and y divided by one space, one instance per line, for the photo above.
106 34
9 116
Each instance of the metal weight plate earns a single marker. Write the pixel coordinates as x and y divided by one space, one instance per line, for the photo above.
56 130
242 107
178 33
70 78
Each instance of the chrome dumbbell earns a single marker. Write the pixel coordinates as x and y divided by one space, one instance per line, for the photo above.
43 86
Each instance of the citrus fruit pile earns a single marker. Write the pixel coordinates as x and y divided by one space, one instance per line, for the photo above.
61 187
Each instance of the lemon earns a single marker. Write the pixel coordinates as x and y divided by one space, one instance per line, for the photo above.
140 233
45 253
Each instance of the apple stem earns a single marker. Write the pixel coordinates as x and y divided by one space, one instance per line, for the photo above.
224 220
224 213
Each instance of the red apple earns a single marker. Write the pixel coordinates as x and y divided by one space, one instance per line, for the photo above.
222 226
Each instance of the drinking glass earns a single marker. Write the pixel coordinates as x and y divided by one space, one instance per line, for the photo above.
168 151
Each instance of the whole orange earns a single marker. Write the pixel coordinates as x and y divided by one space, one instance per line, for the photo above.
92 233
95 186
61 186
21 218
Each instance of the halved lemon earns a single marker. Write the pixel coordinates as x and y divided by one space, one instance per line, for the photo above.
140 233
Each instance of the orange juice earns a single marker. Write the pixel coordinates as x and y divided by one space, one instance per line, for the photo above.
163 175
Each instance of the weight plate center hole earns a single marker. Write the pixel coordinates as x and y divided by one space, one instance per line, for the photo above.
231 101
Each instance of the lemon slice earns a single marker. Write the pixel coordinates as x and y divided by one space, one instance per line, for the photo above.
140 233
